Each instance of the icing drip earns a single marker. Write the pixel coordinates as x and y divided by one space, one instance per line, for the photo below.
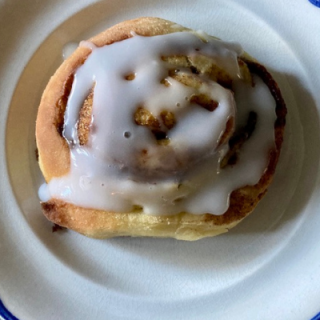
173 164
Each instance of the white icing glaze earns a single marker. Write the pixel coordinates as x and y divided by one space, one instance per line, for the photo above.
108 173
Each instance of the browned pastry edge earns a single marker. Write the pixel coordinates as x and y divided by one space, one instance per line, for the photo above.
54 156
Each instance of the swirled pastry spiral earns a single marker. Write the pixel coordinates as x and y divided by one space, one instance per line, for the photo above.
153 129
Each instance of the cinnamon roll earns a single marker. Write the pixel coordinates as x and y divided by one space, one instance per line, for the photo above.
153 129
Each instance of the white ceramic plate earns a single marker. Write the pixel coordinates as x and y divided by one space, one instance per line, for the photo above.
266 268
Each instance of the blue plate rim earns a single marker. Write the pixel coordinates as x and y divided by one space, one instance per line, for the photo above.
7 315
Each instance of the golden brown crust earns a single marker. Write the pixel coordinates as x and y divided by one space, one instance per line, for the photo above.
54 156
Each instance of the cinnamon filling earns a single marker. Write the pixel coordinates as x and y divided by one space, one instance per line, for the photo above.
62 104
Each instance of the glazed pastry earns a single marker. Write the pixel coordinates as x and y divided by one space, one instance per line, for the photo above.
153 129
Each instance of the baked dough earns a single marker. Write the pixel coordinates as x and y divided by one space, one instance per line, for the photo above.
54 155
